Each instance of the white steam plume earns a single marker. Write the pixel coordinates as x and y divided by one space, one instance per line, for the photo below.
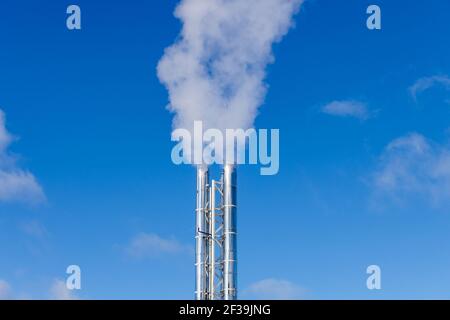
215 71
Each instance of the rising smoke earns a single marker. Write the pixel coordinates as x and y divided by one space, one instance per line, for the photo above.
215 71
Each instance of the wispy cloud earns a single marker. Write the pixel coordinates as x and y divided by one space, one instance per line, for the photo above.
21 186
5 290
274 289
348 109
426 83
15 184
59 291
414 165
34 229
151 245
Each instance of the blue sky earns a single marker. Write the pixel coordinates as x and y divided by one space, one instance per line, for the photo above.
355 188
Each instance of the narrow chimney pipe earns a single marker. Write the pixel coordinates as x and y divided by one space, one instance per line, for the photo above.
201 230
229 178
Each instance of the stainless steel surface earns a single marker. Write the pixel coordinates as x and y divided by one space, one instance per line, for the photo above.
212 245
230 233
216 253
200 233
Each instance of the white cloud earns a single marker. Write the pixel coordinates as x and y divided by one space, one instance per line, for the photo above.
5 136
215 70
414 165
426 83
5 290
15 184
274 289
20 185
34 229
150 244
59 291
347 108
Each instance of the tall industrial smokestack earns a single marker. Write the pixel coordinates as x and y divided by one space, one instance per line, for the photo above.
201 230
215 73
230 232
215 236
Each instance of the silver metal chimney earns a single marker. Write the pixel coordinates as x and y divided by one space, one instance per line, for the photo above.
215 235
230 231
201 230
